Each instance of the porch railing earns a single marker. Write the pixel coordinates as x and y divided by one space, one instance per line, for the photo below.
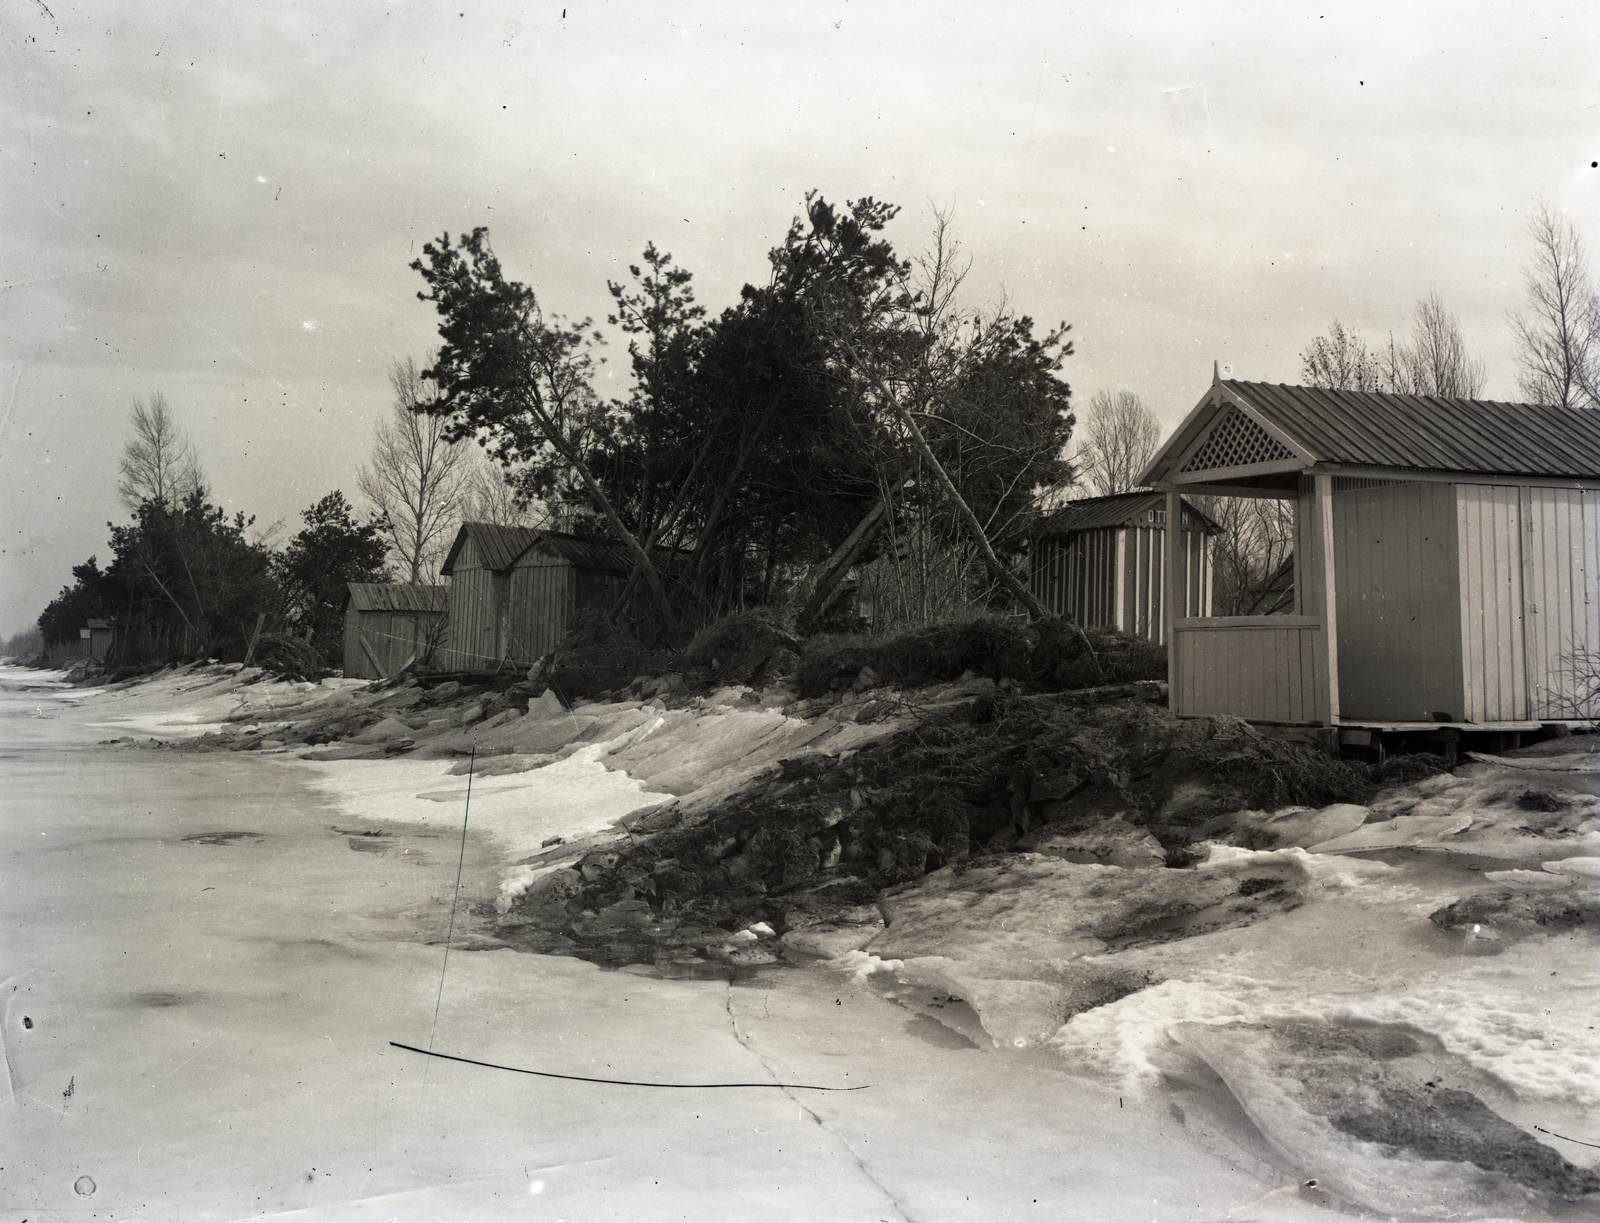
1262 668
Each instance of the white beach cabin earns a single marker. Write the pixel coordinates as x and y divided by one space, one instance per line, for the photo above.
1447 561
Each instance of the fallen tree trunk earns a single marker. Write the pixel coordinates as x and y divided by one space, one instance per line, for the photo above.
816 588
1151 690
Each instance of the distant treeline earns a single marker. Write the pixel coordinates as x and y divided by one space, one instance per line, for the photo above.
187 581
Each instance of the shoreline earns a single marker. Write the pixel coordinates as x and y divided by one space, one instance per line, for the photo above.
1492 1022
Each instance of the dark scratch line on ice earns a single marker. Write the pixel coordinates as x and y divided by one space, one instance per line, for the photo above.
1564 1138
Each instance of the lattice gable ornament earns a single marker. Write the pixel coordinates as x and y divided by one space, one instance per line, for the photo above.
1236 440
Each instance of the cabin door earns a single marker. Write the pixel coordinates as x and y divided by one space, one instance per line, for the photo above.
1561 618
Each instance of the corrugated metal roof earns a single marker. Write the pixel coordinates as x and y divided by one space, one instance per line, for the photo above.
1119 510
397 597
1431 434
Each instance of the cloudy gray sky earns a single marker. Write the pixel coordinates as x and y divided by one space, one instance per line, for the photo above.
219 200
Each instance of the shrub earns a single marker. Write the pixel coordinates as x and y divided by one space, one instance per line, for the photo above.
986 645
1060 659
290 657
1049 655
743 648
599 654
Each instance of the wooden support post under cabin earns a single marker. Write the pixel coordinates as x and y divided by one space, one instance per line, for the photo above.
1172 589
1322 501
250 650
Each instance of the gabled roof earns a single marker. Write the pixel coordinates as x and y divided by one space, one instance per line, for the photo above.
397 597
499 548
496 547
1307 426
1118 510
602 554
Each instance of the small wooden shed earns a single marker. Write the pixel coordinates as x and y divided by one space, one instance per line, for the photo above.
514 591
1447 559
94 640
1101 561
387 625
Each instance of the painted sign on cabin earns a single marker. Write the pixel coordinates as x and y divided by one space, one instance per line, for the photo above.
1447 558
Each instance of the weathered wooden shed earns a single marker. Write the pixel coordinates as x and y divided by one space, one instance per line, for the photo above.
95 638
1101 560
514 591
93 641
1447 559
387 625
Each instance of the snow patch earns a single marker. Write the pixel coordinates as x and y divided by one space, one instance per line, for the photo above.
859 965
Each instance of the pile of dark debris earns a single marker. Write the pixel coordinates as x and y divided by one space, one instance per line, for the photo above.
825 839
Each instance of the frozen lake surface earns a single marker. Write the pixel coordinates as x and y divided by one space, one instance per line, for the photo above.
204 963
209 956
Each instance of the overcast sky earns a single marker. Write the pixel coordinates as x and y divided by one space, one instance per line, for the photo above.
220 200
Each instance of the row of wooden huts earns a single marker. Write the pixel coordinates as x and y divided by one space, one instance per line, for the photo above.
513 592
1446 566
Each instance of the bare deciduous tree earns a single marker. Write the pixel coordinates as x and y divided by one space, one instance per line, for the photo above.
158 463
1435 361
1339 361
416 478
1557 342
1118 438
1252 559
490 495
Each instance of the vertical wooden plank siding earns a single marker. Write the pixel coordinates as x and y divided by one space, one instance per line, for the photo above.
1155 599
1148 557
1197 569
355 664
1103 586
1561 566
541 601
1398 602
1264 668
395 637
1127 601
1116 578
377 631
1044 574
597 590
1176 662
1307 557
1322 494
474 620
1489 528
1077 576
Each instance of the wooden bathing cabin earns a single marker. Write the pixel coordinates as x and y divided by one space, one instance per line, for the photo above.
514 592
1101 561
388 625
93 642
1447 563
